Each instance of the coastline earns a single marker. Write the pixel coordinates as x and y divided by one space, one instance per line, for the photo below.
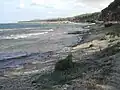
97 55
47 22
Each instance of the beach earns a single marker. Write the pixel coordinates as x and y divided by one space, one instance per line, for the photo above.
96 55
28 49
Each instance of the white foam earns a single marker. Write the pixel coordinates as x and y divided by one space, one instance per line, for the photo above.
15 29
26 29
48 30
21 36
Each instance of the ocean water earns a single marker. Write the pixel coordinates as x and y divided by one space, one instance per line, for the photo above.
22 43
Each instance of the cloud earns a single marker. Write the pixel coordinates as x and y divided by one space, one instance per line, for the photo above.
22 5
57 4
72 4
50 12
80 4
100 4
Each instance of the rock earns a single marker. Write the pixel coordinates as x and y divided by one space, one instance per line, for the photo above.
1 87
76 32
90 21
91 45
64 64
103 38
108 24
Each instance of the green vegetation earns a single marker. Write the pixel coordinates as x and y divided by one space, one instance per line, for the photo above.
90 17
64 64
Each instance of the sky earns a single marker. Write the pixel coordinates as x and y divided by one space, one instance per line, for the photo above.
19 10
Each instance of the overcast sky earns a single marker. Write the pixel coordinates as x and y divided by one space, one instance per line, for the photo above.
15 10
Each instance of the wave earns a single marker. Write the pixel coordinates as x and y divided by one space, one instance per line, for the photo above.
19 55
21 36
50 30
18 59
14 29
15 55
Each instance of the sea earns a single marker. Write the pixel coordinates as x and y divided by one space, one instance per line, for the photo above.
22 43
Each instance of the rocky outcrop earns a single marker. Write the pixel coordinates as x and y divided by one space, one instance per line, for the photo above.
112 12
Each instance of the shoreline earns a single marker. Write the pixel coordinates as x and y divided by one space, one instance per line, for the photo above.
93 53
27 70
47 22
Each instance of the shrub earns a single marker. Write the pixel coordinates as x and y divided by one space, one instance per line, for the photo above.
64 64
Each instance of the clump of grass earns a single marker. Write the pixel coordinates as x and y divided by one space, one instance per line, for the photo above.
64 64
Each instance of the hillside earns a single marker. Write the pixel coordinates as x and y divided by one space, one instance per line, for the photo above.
112 12
89 17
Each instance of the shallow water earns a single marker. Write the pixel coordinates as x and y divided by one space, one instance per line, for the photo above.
22 43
